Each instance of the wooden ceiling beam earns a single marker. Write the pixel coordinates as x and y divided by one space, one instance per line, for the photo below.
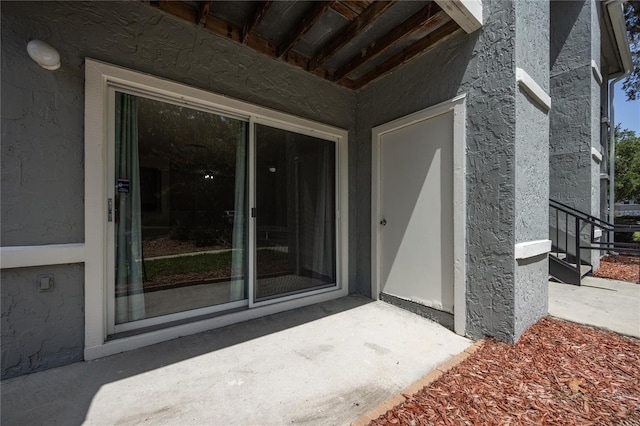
203 12
258 14
418 48
344 10
357 6
426 18
224 29
362 22
318 9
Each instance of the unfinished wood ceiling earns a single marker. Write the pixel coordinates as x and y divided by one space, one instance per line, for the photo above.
350 43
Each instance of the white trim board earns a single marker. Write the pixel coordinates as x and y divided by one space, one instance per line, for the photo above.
529 249
44 255
596 71
456 105
596 155
100 81
532 88
466 13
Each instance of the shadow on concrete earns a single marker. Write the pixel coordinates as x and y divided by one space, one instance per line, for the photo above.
67 392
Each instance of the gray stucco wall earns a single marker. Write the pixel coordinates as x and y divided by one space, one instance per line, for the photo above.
465 63
41 330
532 165
43 137
575 116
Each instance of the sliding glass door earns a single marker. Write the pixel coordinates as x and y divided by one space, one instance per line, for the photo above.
180 213
295 213
180 190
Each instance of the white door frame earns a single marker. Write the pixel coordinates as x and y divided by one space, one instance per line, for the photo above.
457 106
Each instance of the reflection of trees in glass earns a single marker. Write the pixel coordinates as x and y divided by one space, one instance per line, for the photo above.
191 140
197 151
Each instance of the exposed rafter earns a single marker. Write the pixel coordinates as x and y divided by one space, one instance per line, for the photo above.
203 12
258 14
357 6
418 48
426 18
417 34
318 9
356 26
231 32
344 10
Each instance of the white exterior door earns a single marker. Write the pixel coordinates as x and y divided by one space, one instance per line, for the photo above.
418 209
416 233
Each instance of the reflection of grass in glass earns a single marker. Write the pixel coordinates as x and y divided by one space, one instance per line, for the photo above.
204 263
199 263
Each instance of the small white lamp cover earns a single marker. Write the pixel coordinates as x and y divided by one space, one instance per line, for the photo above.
44 54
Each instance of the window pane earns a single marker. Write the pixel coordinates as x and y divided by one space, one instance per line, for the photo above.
295 222
179 202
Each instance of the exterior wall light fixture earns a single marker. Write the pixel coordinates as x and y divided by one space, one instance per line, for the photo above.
44 54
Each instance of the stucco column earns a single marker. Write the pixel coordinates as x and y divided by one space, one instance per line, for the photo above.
531 165
575 117
508 219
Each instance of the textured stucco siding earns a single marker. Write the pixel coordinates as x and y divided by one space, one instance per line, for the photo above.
575 116
482 66
41 330
43 137
532 165
43 112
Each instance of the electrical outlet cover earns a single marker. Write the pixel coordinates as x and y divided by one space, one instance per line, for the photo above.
45 282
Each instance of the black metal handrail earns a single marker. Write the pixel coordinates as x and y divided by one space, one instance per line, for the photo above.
573 261
597 222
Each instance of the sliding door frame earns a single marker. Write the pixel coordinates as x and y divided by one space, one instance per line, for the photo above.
101 82
290 127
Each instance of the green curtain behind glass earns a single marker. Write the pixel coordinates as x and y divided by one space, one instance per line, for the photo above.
238 241
128 262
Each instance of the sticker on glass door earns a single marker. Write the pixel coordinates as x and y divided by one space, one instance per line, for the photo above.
180 190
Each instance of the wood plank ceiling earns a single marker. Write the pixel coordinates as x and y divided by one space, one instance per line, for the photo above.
351 43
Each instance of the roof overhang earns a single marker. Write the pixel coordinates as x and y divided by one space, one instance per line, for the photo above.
615 12
348 42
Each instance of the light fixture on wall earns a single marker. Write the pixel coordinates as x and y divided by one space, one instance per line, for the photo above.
44 54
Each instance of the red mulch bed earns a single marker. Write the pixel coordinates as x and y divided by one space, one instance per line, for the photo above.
559 373
623 268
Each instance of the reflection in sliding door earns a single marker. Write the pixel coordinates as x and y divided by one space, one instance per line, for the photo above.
179 223
296 213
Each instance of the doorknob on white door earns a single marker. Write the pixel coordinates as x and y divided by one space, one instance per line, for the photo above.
383 222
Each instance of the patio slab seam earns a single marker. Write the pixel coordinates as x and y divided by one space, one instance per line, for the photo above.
417 386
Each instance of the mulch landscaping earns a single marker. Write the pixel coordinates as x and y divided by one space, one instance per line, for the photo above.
559 373
164 246
623 268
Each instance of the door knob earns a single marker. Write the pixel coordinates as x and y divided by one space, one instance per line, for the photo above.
383 222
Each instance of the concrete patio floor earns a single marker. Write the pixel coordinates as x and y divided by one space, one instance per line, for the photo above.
610 304
324 364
